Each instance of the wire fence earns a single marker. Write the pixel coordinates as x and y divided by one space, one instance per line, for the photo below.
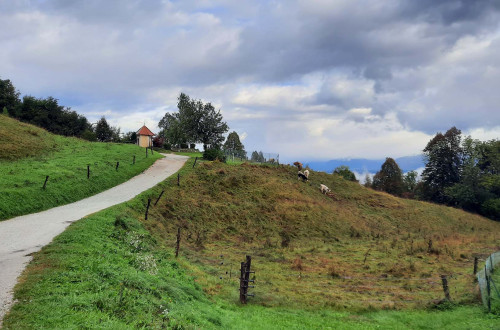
254 157
489 284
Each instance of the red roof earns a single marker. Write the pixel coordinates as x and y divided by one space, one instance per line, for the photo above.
145 131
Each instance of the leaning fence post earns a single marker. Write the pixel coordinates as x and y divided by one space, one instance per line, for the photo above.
88 171
45 183
445 287
195 161
178 243
147 209
475 264
178 179
159 197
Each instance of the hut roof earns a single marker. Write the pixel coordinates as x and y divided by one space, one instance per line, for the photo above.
145 131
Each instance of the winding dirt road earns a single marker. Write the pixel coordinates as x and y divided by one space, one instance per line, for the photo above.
21 236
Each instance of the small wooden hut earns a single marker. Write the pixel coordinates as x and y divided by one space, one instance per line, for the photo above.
145 137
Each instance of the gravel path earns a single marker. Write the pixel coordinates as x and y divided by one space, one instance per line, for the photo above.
21 236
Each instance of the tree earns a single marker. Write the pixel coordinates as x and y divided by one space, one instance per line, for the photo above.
442 170
368 181
389 178
9 96
345 172
201 122
255 156
103 131
410 181
234 145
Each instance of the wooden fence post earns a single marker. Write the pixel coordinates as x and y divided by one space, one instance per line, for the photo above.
117 164
159 197
88 171
247 274
475 264
146 152
45 183
133 162
243 297
178 243
195 161
429 248
178 179
147 209
446 290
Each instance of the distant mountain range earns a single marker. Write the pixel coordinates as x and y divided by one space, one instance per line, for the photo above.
361 165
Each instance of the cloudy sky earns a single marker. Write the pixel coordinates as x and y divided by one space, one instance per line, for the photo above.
311 79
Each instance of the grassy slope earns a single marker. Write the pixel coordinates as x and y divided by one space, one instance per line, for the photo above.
355 249
33 153
107 271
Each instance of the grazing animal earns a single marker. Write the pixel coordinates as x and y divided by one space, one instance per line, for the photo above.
324 189
299 165
301 175
306 173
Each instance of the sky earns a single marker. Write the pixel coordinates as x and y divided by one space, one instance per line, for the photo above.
309 80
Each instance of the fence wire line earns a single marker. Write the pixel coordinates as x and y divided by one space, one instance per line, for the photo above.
491 262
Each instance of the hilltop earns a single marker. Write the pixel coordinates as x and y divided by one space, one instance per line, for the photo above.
28 154
336 260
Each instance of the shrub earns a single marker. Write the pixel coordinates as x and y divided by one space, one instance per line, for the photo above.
167 146
213 154
192 146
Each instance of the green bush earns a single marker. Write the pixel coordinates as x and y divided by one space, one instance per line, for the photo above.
167 146
213 154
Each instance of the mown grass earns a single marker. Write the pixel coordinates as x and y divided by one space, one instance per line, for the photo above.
25 164
108 271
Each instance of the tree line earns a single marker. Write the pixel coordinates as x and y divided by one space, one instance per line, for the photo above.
55 118
459 171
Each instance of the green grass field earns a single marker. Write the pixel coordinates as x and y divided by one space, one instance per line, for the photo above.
113 269
34 154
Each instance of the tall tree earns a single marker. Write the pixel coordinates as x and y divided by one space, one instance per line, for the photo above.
196 122
389 178
443 154
103 131
9 96
201 122
234 145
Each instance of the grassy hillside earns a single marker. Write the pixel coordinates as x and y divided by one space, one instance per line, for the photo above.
341 261
28 154
19 140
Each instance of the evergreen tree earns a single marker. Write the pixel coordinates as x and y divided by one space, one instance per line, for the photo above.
103 131
389 178
234 145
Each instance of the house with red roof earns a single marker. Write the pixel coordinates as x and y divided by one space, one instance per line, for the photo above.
145 137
